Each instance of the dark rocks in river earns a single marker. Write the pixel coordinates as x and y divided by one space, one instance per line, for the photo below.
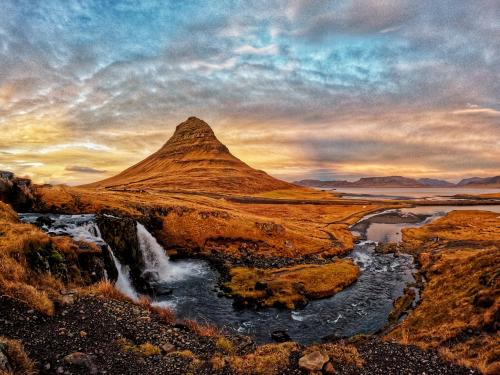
280 336
16 191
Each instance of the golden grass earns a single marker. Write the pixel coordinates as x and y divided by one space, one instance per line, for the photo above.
460 257
225 345
195 222
144 350
106 289
203 329
267 359
291 286
18 359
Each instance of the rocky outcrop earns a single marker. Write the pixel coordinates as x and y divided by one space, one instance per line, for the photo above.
16 191
120 233
313 361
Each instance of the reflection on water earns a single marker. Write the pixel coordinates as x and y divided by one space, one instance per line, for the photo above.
382 232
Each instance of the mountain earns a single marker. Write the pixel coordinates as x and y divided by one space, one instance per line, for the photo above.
194 159
476 182
435 182
389 181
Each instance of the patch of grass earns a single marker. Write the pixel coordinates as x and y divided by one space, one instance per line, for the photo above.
18 359
460 258
343 353
225 345
203 329
268 359
106 289
144 350
291 286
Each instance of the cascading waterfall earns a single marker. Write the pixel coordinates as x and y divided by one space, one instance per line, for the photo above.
84 228
157 264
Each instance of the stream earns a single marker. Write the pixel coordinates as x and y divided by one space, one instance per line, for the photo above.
362 308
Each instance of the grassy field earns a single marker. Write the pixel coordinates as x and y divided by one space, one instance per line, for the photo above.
460 305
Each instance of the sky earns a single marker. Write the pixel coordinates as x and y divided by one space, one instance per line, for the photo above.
300 89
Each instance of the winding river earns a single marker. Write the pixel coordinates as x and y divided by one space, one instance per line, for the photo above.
362 308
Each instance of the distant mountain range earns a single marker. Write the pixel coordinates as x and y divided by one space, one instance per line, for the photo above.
400 181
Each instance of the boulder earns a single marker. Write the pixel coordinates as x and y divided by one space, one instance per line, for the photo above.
313 361
81 360
16 191
4 360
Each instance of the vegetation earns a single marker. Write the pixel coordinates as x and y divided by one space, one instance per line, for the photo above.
338 352
291 286
18 359
458 312
265 360
211 225
25 252
144 350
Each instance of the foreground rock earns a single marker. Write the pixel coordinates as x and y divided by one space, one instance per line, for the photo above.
16 191
313 361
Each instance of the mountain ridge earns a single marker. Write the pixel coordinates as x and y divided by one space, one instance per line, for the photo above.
400 181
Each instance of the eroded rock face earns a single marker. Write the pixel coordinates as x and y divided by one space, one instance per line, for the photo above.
16 191
120 233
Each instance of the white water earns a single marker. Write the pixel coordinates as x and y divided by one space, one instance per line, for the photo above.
83 228
157 263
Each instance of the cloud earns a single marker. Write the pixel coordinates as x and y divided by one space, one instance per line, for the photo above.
80 169
247 49
344 85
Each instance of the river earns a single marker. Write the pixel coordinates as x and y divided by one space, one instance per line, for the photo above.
362 308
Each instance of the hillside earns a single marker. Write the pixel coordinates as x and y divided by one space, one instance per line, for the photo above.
193 159
477 182
389 181
399 181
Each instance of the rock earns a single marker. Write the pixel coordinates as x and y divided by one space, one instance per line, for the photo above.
44 220
81 360
280 336
313 361
16 191
260 286
328 368
167 348
4 360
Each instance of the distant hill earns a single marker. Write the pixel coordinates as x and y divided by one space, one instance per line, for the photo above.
435 182
389 181
399 181
194 159
478 182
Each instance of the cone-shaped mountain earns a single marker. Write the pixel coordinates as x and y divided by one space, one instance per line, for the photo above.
194 159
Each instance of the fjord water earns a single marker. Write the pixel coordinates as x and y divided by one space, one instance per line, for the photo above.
430 193
361 308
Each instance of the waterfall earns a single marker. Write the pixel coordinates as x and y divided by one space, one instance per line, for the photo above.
123 283
157 265
84 228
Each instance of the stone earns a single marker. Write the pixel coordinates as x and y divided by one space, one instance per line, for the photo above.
4 361
81 360
167 348
280 336
328 368
313 361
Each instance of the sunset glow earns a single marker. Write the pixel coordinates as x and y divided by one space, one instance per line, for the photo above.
300 89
